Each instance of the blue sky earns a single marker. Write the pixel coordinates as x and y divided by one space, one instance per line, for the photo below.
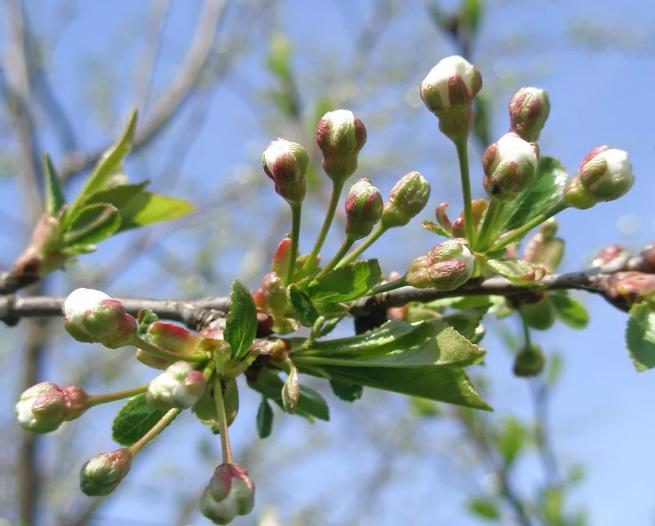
601 412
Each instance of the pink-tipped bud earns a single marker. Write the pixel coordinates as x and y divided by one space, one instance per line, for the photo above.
528 111
442 217
406 200
275 294
606 174
446 267
286 162
91 316
230 493
340 136
282 257
170 337
43 255
624 289
509 167
606 255
103 473
45 406
180 386
529 361
363 209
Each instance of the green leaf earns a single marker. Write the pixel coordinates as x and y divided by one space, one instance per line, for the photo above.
119 196
146 208
346 283
78 250
134 420
510 440
640 336
307 313
441 384
570 311
264 418
110 164
93 224
54 190
346 392
484 507
424 408
241 323
515 270
466 322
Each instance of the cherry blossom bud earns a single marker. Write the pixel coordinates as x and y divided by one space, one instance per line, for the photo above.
624 289
43 255
286 162
77 401
282 257
509 167
103 473
170 337
647 259
447 266
406 200
606 173
538 311
442 217
275 294
230 493
577 196
528 112
363 208
545 249
340 136
92 316
606 255
448 92
180 386
45 406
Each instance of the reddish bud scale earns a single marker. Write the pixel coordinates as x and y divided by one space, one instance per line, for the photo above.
528 110
170 337
275 293
282 257
363 208
442 217
606 255
230 493
624 289
286 162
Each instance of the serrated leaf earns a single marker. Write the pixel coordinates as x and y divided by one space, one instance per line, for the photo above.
516 270
570 311
241 322
291 391
54 190
134 420
346 392
146 208
264 418
484 508
640 337
93 223
307 313
347 283
467 321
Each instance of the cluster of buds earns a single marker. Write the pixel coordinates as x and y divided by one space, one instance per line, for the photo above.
180 386
528 111
340 136
406 200
448 92
286 162
274 301
230 493
91 316
529 361
624 289
457 228
363 209
447 266
509 167
45 406
103 473
605 174
171 337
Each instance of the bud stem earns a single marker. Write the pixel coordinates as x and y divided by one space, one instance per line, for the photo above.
156 350
526 334
372 238
490 220
345 247
329 216
296 209
387 287
462 156
519 233
154 431
222 421
118 395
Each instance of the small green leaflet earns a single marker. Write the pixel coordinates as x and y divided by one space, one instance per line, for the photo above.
570 311
264 418
302 305
93 224
346 283
515 270
511 439
346 392
134 420
484 508
241 323
54 191
640 336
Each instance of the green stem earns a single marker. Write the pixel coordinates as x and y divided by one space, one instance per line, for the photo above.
158 351
154 431
296 209
329 217
392 285
526 334
345 247
490 220
520 232
222 420
118 395
462 157
372 238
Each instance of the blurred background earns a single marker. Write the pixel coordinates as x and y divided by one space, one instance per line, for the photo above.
214 82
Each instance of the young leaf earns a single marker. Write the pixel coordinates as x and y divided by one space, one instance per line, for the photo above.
346 392
241 323
291 391
264 418
346 283
93 224
435 229
146 208
640 336
466 321
303 306
570 311
484 508
516 270
134 420
78 250
511 440
119 196
54 191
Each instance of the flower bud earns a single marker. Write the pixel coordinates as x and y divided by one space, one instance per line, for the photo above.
286 162
363 208
340 136
282 257
230 493
406 200
528 112
442 217
170 337
447 266
43 255
275 294
180 386
509 167
92 316
606 255
448 92
538 311
103 473
529 361
606 173
577 196
45 406
544 250
624 289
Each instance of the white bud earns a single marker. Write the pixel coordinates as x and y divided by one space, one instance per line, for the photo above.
443 77
81 301
180 386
